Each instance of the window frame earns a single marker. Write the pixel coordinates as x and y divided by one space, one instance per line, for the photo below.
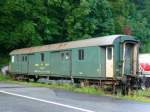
81 54
13 59
42 56
109 53
23 58
67 55
62 55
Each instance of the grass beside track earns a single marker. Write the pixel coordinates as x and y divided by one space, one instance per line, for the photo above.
64 86
139 95
4 78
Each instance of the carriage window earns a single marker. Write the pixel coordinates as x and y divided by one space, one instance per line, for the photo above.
17 58
25 58
67 55
62 56
22 58
12 59
42 56
109 53
81 54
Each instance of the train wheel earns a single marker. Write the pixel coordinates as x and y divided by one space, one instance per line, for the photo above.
117 90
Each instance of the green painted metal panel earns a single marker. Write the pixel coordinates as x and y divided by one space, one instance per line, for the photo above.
32 61
117 57
103 61
42 66
60 63
128 59
24 64
118 54
19 64
38 66
14 65
89 67
92 66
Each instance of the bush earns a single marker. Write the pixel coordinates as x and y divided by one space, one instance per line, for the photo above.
4 78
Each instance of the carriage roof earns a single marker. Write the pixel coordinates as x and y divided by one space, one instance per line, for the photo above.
98 41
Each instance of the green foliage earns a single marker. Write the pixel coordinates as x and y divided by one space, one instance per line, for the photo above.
134 15
142 33
4 78
3 61
25 23
138 95
17 26
90 90
144 93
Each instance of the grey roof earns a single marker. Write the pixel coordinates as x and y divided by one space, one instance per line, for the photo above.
105 40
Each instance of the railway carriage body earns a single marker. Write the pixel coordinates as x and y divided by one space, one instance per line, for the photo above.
98 58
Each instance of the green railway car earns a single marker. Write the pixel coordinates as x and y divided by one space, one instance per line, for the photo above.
101 58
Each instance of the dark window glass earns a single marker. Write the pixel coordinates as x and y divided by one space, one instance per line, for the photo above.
109 53
42 56
25 58
81 54
22 58
62 56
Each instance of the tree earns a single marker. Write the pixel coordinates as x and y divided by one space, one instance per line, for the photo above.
25 23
